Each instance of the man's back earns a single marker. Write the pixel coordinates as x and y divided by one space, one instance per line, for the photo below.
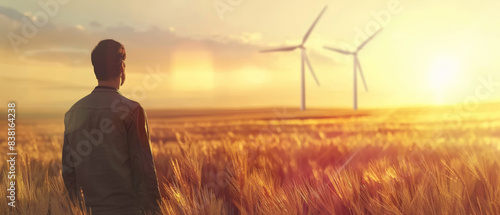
106 152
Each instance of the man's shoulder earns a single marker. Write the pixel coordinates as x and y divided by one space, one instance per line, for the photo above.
116 103
111 102
124 103
77 105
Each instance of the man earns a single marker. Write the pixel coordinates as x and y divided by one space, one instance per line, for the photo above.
106 156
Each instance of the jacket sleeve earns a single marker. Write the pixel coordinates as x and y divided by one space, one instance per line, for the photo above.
68 170
142 163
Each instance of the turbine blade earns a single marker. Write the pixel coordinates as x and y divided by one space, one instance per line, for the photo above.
368 40
361 72
337 50
283 49
313 25
305 58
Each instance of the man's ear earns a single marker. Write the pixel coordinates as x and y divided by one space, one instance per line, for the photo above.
122 76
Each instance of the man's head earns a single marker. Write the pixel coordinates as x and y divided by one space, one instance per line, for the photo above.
108 59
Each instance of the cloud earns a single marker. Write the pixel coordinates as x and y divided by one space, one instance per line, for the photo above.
95 24
42 83
12 14
73 57
120 29
71 46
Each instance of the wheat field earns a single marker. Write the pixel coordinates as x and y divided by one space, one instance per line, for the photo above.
282 161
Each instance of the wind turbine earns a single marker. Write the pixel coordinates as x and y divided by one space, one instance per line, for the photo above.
356 65
304 59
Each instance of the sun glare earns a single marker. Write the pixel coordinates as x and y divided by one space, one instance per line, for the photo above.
192 69
444 73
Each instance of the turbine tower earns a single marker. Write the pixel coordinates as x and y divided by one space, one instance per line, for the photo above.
304 60
356 65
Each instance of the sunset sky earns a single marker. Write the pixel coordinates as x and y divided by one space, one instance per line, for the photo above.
197 54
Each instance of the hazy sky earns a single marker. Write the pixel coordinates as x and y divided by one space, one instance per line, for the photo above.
183 53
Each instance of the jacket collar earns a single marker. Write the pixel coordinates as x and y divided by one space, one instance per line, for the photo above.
105 89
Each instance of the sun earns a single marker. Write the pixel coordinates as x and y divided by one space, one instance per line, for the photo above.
443 77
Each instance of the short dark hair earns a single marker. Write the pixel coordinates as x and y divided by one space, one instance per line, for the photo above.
108 59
